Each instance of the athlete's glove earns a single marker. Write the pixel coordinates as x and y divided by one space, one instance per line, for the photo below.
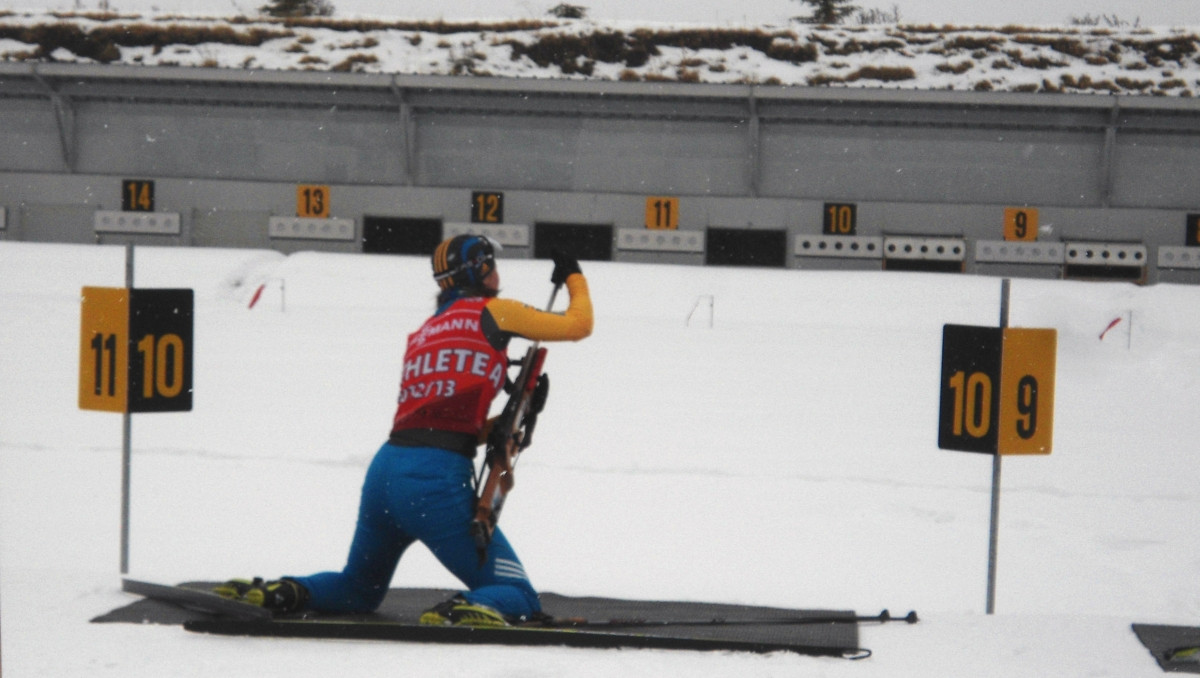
564 266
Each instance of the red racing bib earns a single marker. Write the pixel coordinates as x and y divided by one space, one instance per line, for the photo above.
451 372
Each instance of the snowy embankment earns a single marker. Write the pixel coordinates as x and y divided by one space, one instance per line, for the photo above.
1124 60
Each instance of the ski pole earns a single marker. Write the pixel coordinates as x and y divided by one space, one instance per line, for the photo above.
504 445
579 622
528 356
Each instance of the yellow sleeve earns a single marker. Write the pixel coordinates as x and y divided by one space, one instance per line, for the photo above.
528 322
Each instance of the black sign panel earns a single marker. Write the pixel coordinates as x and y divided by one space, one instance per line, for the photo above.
160 350
970 388
745 247
487 207
839 219
401 235
137 195
593 242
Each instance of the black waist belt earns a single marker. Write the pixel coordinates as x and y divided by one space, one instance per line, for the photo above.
459 443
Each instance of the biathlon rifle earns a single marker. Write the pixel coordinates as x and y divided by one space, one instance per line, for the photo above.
512 432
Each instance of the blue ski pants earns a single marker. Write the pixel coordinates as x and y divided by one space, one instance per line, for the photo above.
425 494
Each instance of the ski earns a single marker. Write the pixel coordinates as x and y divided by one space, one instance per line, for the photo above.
195 598
511 635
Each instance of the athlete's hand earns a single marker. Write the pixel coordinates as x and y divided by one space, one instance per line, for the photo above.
564 266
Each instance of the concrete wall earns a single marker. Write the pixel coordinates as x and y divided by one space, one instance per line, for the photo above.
226 151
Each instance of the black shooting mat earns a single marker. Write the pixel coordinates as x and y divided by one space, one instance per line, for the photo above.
1175 648
406 604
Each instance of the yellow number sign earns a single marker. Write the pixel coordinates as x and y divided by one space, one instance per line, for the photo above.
1027 391
1020 223
312 201
662 213
104 349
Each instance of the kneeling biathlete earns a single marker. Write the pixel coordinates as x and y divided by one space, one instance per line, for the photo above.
420 485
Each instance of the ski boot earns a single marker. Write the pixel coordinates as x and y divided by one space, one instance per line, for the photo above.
281 596
458 611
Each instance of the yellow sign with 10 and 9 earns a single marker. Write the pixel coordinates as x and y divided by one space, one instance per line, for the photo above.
135 350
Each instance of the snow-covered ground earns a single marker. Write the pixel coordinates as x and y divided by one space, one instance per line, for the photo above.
780 449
